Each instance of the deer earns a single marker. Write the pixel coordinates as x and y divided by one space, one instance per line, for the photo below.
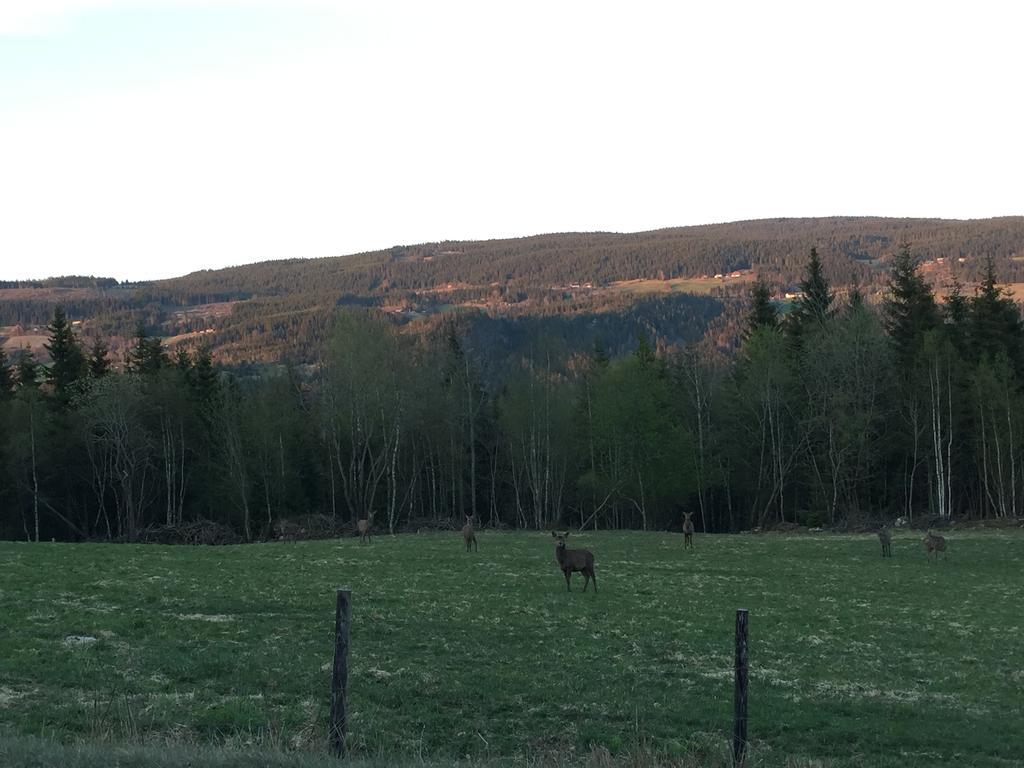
885 537
687 530
570 560
933 544
363 527
469 535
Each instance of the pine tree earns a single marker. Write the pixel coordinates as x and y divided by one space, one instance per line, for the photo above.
910 310
762 313
68 362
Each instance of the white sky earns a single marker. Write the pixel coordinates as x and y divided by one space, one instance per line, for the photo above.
149 139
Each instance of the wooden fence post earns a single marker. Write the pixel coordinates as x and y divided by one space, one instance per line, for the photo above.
339 678
739 714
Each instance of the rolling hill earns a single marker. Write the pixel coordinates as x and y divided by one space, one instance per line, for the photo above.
676 285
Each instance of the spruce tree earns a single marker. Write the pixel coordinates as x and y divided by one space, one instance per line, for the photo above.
182 360
28 371
6 376
67 360
99 361
147 355
995 325
910 310
762 313
814 307
854 300
202 378
955 311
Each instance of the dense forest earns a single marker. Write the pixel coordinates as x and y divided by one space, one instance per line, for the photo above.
839 411
281 310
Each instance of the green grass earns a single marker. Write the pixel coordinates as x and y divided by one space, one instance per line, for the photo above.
855 659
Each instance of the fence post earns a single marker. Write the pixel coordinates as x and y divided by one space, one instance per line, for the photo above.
339 677
739 715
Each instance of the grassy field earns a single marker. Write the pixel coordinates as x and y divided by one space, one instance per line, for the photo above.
855 659
696 285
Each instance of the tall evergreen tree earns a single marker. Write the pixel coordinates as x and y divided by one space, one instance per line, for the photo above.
995 325
814 307
147 355
955 315
182 360
6 375
910 310
762 313
99 361
28 371
202 378
854 300
68 363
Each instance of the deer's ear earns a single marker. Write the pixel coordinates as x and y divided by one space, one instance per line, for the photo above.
554 535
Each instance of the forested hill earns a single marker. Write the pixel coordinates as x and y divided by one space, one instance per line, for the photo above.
850 248
672 285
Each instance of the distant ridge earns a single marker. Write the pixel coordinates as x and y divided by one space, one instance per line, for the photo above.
675 285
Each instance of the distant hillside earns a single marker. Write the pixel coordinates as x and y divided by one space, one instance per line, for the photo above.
850 248
267 311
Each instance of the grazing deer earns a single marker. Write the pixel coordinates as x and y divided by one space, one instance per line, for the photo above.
570 560
933 544
687 530
469 535
885 537
363 526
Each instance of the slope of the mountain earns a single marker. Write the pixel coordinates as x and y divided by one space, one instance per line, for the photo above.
849 246
280 309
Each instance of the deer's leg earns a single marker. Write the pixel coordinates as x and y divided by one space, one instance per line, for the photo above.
568 576
593 577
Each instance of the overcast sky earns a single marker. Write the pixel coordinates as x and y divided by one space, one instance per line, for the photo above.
149 139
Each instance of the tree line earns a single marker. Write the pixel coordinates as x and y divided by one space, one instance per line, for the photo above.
829 413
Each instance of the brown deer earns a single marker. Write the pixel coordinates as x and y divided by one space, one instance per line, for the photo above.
933 544
363 527
570 560
687 530
885 537
469 535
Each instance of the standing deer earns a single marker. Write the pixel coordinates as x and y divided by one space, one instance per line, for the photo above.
469 535
933 544
687 530
363 526
570 560
885 537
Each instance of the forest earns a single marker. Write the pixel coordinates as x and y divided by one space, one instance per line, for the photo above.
281 310
841 411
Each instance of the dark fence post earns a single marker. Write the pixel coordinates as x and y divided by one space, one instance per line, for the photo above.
339 678
739 714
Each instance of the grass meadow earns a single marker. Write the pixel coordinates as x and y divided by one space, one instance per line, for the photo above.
484 657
